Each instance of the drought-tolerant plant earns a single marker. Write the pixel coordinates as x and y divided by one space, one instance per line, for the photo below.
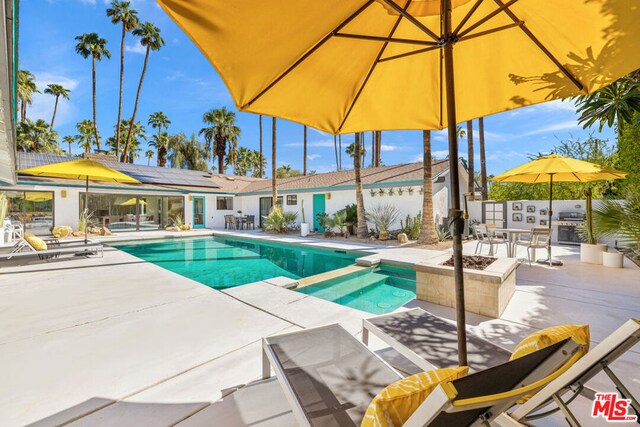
391 191
323 219
620 219
400 191
176 219
383 217
411 226
4 203
278 220
302 207
339 220
372 192
381 191
410 190
85 221
443 233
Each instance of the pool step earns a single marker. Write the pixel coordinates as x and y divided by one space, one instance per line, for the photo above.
323 277
348 285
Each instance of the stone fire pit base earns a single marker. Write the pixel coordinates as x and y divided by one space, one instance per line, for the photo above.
486 292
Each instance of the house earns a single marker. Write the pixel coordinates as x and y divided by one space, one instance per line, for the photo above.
203 199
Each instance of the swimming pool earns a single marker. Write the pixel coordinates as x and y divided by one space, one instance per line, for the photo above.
222 263
376 291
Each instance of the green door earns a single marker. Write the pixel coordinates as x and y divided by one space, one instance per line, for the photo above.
318 208
198 212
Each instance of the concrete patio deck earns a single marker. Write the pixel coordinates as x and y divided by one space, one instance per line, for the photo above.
119 341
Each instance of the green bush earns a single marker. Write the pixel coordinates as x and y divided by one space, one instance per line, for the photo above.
620 219
278 220
411 226
351 212
339 220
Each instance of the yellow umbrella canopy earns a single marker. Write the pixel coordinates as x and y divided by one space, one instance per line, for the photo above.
38 196
132 202
346 66
558 169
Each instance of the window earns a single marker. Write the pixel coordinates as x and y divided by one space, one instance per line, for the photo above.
34 209
224 203
292 200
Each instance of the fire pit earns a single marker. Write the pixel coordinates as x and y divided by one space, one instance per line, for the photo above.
473 262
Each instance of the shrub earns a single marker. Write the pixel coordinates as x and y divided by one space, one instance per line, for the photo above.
443 233
383 216
85 221
411 226
620 219
339 220
278 220
351 212
176 219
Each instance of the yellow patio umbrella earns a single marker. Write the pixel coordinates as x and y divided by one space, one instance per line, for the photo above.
86 169
345 66
132 202
554 168
38 196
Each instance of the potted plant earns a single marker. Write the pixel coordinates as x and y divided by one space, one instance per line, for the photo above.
304 225
590 251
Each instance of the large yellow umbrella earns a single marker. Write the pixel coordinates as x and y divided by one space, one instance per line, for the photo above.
86 169
132 202
554 168
358 65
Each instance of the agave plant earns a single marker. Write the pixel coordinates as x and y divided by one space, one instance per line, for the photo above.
391 191
177 220
400 191
279 220
620 219
410 190
372 192
381 191
443 233
86 220
383 217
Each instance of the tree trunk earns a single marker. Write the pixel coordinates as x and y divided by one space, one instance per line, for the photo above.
428 227
274 185
261 171
162 156
361 230
304 171
378 148
95 117
221 150
340 152
55 108
23 111
483 160
125 150
471 185
120 96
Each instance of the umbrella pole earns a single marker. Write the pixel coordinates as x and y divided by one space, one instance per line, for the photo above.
455 214
86 208
550 260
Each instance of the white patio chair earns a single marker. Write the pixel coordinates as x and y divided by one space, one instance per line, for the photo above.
484 236
539 238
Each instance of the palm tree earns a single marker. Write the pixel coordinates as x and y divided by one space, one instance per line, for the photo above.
428 234
91 44
150 38
149 155
260 124
57 91
120 13
221 136
69 140
361 230
614 104
187 153
135 135
483 160
85 134
274 184
378 147
257 163
351 150
26 88
304 169
471 187
36 137
160 141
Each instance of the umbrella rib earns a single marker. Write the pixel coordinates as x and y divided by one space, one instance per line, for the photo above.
385 39
413 52
546 51
308 53
467 16
491 31
503 7
412 19
373 66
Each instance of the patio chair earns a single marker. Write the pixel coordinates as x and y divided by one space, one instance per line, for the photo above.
329 378
574 379
226 221
539 238
16 230
250 222
485 237
233 222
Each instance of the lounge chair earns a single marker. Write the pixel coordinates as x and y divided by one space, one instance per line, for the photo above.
329 378
574 379
23 249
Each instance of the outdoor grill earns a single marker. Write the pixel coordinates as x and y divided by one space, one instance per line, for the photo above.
568 223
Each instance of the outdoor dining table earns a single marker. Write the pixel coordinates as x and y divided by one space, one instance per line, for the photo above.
512 237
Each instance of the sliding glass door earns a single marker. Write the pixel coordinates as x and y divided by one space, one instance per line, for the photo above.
33 209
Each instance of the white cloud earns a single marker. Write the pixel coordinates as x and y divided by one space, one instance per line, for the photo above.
136 48
42 107
385 147
566 125
315 144
313 156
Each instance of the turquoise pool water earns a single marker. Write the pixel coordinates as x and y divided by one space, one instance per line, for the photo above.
376 291
223 263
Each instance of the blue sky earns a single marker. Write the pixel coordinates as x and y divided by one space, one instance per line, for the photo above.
181 83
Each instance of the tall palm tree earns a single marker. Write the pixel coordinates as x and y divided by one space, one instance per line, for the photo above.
428 234
614 104
361 230
187 153
160 141
121 13
378 146
135 135
351 150
57 91
91 44
274 184
37 137
149 38
69 139
471 186
304 168
257 163
149 155
221 136
483 160
260 125
26 88
85 134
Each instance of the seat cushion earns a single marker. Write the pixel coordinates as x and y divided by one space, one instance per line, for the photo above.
546 337
393 406
37 243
